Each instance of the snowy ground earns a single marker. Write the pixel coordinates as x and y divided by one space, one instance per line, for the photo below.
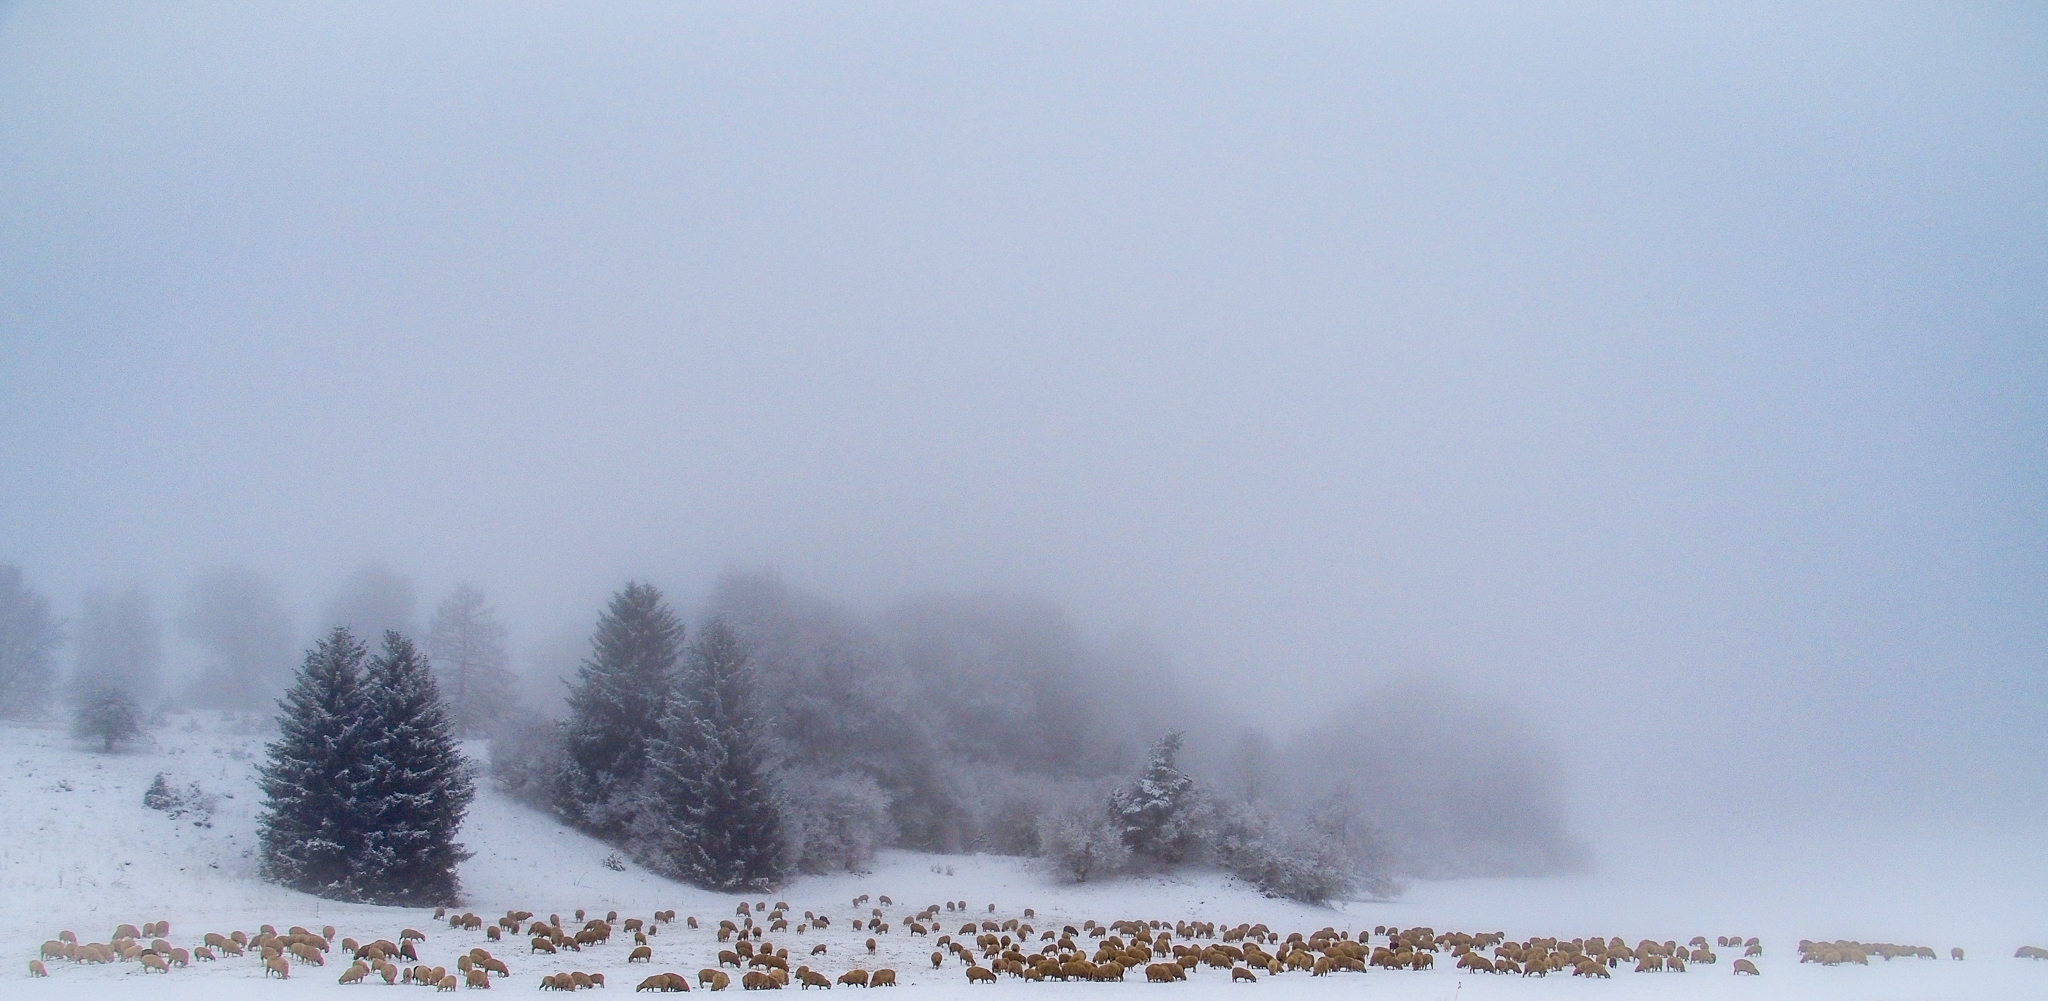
79 851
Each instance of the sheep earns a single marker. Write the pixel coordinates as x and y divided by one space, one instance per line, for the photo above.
448 983
1956 954
1238 973
854 978
641 954
980 974
36 968
354 974
278 967
871 947
478 978
810 979
715 979
758 981
882 978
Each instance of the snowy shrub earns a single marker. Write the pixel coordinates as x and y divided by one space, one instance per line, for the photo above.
833 822
180 802
1324 855
109 716
1083 844
615 862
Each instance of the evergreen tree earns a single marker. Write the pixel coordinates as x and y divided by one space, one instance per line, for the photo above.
710 815
1160 813
420 788
467 643
28 633
615 710
316 779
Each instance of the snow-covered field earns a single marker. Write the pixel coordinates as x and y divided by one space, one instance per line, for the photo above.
79 851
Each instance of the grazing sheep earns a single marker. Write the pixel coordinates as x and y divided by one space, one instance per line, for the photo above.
641 954
1238 973
449 983
478 978
714 979
882 978
36 968
354 974
277 966
871 947
1956 953
854 978
980 974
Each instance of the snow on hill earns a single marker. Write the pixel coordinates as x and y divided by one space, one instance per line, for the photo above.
79 850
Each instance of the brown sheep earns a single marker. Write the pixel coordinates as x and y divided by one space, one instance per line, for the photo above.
715 979
640 954
882 978
871 947
1238 973
938 960
1743 966
980 974
354 974
1956 953
854 978
36 968
758 981
478 978
448 983
277 966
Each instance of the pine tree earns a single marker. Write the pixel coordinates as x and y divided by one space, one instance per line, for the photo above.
316 778
615 710
420 788
710 815
467 643
1160 814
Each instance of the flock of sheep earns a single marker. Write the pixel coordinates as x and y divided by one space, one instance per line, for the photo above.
987 947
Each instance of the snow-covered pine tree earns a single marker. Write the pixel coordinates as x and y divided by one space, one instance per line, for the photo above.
1160 813
420 787
716 823
315 778
615 710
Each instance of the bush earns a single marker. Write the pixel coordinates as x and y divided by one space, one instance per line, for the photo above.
1083 845
833 822
1323 856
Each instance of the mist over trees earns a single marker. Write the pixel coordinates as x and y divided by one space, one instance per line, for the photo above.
237 619
373 600
29 635
951 723
1453 783
467 644
118 647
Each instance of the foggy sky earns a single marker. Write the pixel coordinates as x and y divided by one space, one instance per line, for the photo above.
1679 377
